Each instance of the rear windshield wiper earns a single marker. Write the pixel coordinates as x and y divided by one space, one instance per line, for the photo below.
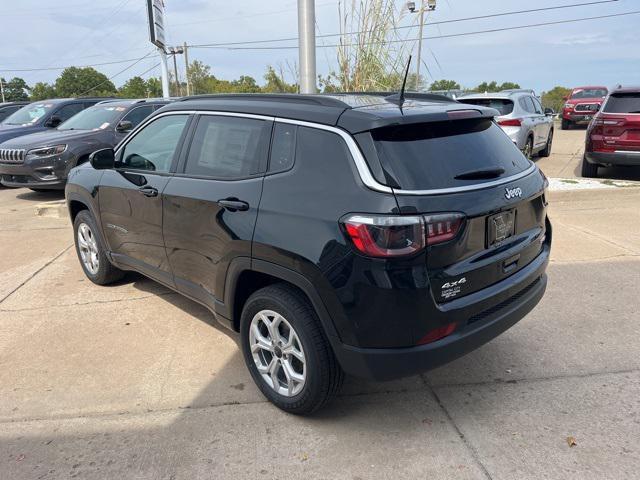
480 174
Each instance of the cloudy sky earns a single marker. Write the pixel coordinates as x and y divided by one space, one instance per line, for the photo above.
36 35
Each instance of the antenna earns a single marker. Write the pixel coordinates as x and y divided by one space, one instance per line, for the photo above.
398 98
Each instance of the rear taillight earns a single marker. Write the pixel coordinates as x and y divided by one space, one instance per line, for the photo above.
510 122
442 227
386 236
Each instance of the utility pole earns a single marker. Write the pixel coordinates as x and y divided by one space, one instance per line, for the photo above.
1 90
431 5
307 45
165 73
186 68
175 71
420 45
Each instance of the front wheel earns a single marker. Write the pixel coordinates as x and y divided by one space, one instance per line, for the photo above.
286 350
91 252
566 124
589 170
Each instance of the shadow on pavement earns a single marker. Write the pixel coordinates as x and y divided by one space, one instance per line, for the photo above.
44 196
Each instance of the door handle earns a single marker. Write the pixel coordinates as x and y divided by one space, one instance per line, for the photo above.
233 205
148 191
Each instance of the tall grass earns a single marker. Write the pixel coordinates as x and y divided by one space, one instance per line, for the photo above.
367 58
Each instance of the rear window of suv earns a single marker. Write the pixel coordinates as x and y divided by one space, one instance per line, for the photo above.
628 102
431 155
503 105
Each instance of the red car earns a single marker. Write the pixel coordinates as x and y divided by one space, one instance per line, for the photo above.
613 137
581 105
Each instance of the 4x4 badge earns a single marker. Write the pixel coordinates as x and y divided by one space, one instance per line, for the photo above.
512 193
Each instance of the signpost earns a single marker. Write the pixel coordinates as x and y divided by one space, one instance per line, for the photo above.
155 12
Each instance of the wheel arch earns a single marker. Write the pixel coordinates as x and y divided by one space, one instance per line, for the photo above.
245 276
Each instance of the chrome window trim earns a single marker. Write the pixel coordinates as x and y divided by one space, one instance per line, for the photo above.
628 152
364 173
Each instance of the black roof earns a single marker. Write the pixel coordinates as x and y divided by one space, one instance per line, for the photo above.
355 112
625 89
17 102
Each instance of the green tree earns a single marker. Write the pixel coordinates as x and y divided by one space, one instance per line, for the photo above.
15 89
154 87
43 91
444 85
74 82
555 98
135 87
509 86
494 87
275 82
245 84
200 77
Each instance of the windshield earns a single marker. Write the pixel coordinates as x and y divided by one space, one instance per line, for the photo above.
589 93
29 114
623 103
504 106
97 117
447 154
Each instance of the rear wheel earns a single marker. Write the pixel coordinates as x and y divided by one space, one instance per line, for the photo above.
546 151
589 170
528 148
91 252
566 124
286 350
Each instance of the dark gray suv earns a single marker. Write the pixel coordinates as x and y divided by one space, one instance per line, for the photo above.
41 161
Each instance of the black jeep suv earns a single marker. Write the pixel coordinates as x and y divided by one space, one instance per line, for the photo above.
41 161
344 233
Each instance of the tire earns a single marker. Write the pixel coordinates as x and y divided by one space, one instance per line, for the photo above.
528 148
546 151
566 124
319 369
589 170
94 262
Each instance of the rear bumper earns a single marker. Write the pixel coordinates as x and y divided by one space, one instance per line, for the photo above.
500 307
619 158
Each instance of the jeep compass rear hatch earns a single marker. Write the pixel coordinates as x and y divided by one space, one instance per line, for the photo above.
481 200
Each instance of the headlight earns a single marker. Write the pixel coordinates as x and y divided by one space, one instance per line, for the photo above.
568 105
47 151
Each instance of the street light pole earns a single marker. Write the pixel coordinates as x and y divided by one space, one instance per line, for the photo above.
420 45
186 68
307 45
165 73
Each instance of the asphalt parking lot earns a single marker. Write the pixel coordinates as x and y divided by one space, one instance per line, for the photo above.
136 382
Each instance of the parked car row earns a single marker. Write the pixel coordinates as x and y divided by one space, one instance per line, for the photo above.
42 141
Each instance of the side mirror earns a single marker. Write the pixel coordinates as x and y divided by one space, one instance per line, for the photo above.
124 126
53 122
549 111
103 159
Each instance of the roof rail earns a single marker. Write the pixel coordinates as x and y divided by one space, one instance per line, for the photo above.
272 97
519 90
412 95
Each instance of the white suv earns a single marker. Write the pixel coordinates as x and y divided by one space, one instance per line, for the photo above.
521 117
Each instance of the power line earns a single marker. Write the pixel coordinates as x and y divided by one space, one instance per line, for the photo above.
441 22
115 62
435 37
115 75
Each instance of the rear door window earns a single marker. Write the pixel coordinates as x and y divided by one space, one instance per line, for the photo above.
447 154
623 103
68 111
503 105
138 114
228 147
